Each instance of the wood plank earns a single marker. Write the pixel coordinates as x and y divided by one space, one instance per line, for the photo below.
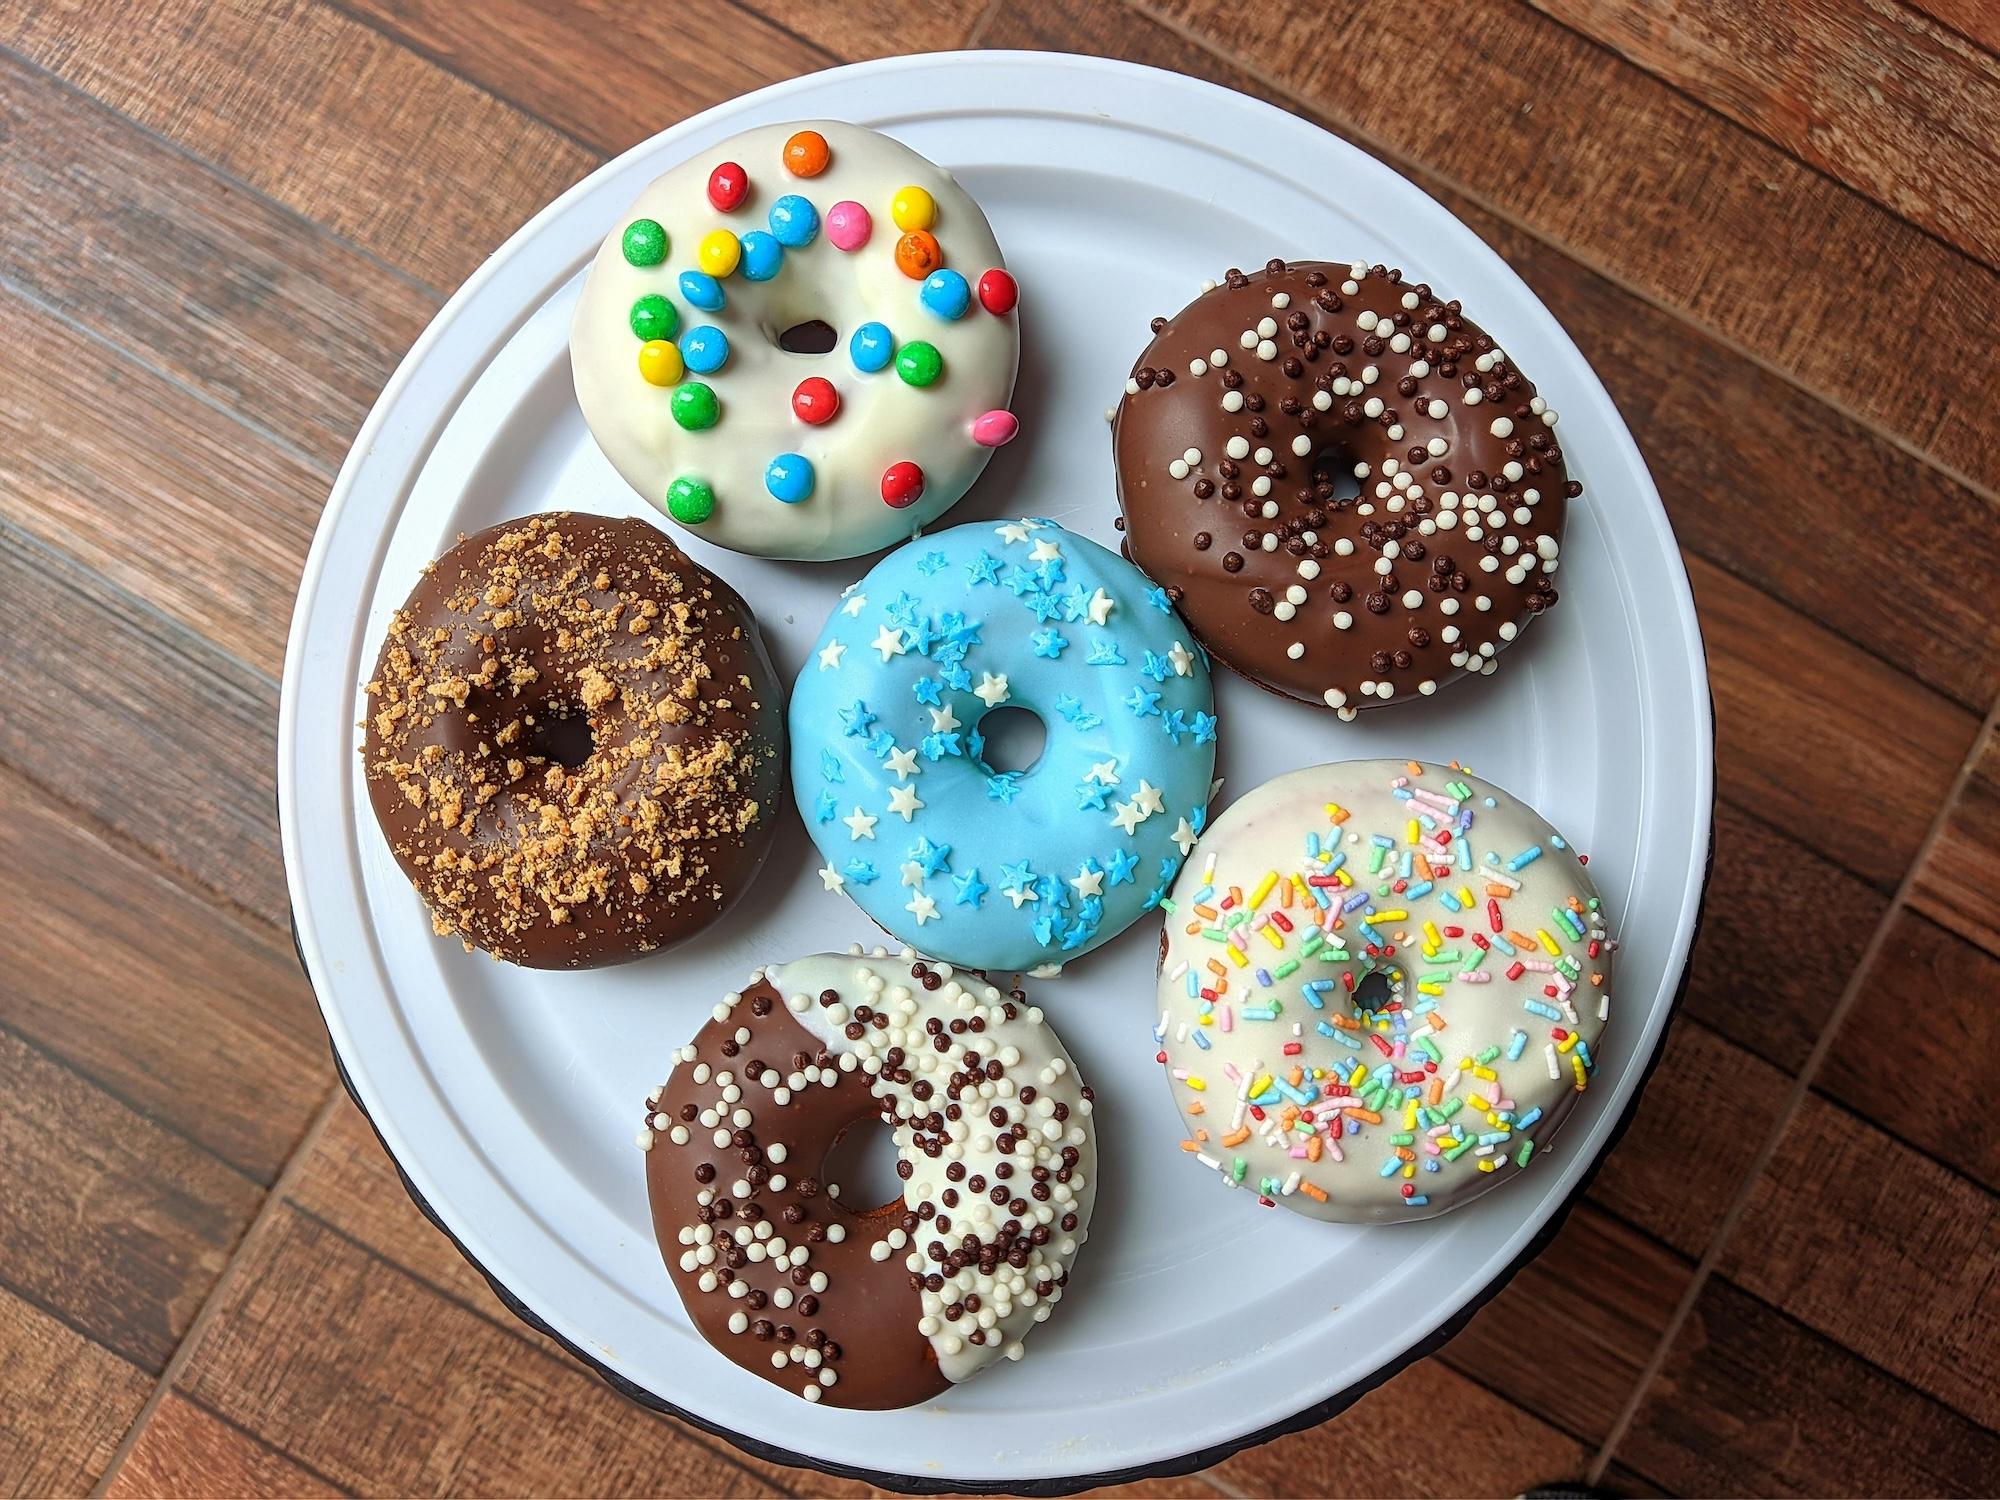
1976 20
609 72
186 1450
192 1016
1929 995
320 112
1761 479
353 1367
113 1224
1390 1443
1704 1116
1570 1336
1877 1247
140 723
1956 884
1873 94
857 29
259 310
1541 126
1833 745
1751 1403
174 501
69 1401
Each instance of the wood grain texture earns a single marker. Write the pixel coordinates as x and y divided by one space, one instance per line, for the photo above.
859 29
113 1223
1750 1403
187 1450
1975 20
190 1015
178 268
1958 885
1848 86
1930 996
139 723
1563 129
1881 1250
68 1402
407 160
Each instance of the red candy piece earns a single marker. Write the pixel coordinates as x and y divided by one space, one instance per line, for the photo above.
815 401
998 292
902 483
728 186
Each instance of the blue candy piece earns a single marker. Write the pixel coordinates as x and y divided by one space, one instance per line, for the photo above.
794 221
703 291
872 347
705 349
789 477
946 294
1062 841
763 256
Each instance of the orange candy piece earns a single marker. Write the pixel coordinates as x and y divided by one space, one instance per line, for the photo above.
917 254
807 154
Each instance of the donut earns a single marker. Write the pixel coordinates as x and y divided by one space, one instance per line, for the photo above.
997 867
1382 986
799 343
1238 430
863 1305
574 744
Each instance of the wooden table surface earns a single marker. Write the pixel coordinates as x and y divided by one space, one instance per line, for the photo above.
1773 227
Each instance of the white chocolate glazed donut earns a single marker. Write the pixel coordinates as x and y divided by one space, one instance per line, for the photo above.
1408 1095
761 449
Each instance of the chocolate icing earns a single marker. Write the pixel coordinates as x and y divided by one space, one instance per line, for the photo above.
574 742
1347 363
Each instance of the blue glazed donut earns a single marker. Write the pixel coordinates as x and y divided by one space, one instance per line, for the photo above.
1003 870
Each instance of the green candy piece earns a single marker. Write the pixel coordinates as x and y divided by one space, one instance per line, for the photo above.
690 501
919 363
653 317
694 406
645 242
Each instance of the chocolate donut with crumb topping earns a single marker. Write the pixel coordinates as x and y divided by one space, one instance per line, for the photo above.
574 742
1246 427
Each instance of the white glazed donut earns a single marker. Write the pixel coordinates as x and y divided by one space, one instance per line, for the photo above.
824 236
1353 1099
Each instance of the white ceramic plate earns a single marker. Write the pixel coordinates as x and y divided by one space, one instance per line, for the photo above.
510 1098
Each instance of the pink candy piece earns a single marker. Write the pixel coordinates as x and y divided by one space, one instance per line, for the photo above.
995 429
848 225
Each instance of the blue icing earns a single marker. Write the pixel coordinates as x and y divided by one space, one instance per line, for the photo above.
1020 867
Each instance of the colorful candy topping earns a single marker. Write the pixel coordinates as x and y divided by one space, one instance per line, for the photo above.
705 348
653 317
790 478
918 254
694 406
995 429
998 292
902 484
919 363
645 242
794 221
702 291
690 501
807 154
660 363
728 186
718 253
913 208
871 348
815 401
946 294
848 225
763 256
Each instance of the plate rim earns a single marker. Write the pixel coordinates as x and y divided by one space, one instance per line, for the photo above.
313 960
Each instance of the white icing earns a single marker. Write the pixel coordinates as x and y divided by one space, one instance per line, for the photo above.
881 420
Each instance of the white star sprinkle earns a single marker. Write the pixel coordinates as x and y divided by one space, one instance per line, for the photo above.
1022 895
992 689
854 605
1100 607
943 720
1104 772
904 800
1045 551
830 655
1088 882
1184 836
860 825
1128 816
889 641
1182 659
913 874
922 907
1148 796
830 878
903 763
1012 532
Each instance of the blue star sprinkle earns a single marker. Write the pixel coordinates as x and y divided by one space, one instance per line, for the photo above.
932 562
1204 728
1049 643
938 746
1119 871
1157 667
1016 877
971 889
1104 652
1175 725
860 871
1094 794
1157 597
1021 581
1142 702
956 678
1001 788
829 767
857 719
1045 607
933 857
929 690
983 569
825 810
903 608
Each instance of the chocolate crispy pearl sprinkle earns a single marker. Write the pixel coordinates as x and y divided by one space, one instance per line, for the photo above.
855 1304
574 744
1253 414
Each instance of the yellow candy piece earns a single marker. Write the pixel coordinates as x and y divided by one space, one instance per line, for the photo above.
913 208
719 253
660 363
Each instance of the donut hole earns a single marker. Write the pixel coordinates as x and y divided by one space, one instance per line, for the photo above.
860 1168
1371 991
563 736
1015 738
1335 467
809 336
